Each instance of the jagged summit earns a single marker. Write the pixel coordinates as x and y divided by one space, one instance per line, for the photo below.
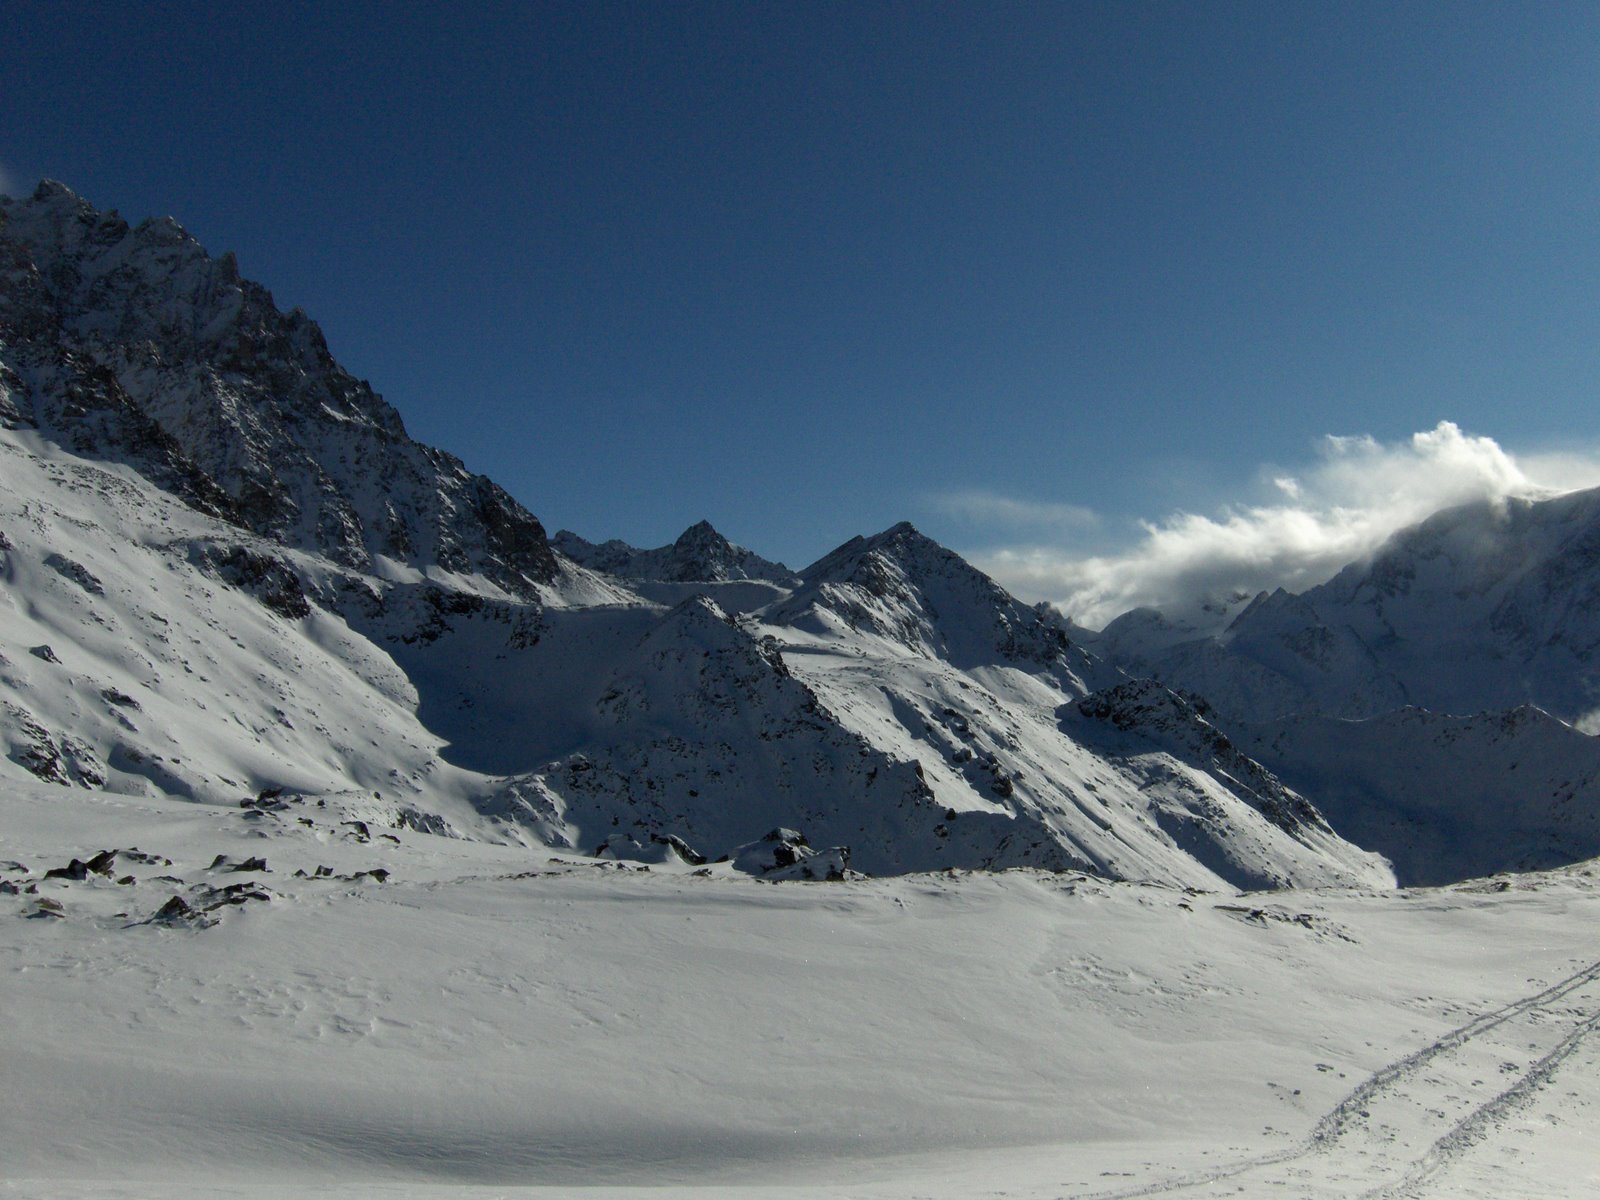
608 556
132 344
901 542
699 555
905 587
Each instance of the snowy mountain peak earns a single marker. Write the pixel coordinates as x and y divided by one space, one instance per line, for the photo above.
904 587
701 532
1482 606
52 189
609 556
133 345
52 196
699 555
901 543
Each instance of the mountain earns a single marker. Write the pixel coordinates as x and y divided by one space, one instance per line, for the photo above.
1480 607
929 660
1434 700
229 574
1446 797
699 728
133 345
906 590
700 555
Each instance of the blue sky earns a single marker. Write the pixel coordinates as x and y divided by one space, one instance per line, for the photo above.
1021 273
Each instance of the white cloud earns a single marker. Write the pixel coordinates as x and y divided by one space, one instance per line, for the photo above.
990 508
1339 509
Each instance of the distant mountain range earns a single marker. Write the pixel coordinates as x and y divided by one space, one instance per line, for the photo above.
226 571
700 555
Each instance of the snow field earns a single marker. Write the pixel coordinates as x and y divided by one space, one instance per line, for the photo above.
490 1019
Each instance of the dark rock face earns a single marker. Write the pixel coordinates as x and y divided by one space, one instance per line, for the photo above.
132 344
272 582
51 756
175 909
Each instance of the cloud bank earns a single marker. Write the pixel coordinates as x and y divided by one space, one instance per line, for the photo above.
1342 507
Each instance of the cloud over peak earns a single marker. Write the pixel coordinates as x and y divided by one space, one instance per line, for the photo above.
1341 507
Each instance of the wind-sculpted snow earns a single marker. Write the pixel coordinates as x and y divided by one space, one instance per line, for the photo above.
131 344
304 996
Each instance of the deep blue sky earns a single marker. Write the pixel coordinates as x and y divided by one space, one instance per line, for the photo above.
802 269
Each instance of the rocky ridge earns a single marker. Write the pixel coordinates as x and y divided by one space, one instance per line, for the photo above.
699 555
132 344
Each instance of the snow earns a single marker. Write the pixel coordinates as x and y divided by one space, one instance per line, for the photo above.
354 842
483 1023
1481 607
1446 797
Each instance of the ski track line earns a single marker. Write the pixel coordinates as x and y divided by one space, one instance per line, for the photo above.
1344 1116
1477 1124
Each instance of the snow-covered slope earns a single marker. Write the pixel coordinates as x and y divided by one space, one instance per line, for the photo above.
267 1003
1444 797
148 649
908 591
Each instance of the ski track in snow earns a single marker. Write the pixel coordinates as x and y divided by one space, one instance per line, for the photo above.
1367 1141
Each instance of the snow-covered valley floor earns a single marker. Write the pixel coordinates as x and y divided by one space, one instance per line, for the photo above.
490 1021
